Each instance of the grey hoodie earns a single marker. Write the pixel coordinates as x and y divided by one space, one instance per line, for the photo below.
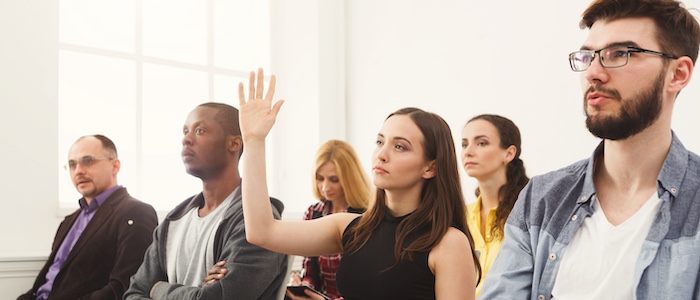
253 272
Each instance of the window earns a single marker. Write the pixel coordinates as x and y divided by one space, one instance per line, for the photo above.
133 70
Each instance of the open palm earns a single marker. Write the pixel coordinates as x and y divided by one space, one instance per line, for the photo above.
257 113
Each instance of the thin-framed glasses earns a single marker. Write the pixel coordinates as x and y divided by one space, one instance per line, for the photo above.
84 161
610 57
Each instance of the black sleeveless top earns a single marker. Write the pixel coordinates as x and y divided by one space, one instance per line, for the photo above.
368 273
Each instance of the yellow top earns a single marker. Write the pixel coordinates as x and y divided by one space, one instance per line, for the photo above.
486 247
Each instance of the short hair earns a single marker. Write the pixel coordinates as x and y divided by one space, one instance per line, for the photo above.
350 173
678 32
107 144
227 117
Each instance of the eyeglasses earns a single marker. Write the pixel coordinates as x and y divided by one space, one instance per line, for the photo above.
611 57
84 161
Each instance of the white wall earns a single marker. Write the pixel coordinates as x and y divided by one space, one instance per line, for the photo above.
28 135
463 58
28 139
342 66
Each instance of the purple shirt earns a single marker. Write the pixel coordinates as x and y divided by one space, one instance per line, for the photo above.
86 214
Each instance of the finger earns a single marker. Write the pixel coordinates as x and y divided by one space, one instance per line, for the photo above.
276 108
251 86
261 84
271 89
241 95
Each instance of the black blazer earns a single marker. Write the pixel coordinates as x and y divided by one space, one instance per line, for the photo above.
107 253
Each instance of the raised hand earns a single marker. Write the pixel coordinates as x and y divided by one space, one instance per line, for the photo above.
257 113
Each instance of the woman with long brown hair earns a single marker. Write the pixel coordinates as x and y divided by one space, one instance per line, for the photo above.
413 241
491 154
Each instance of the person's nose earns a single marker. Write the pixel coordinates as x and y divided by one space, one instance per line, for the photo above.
596 72
187 139
382 154
468 151
79 169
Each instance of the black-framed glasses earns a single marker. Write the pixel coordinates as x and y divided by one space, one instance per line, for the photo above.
610 57
84 161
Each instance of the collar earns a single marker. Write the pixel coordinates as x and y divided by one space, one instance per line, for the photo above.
670 177
99 199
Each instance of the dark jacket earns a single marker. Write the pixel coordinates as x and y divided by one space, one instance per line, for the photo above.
105 255
253 272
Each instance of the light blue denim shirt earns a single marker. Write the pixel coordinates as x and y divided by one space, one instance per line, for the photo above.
552 207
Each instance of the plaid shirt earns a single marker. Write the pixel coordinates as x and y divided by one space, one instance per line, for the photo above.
319 271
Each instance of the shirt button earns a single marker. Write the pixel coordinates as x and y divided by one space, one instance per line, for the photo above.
673 190
574 218
540 297
552 256
130 222
583 197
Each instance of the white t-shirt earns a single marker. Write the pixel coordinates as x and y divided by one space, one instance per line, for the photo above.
190 245
600 260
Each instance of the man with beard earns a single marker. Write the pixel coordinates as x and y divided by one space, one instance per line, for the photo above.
623 224
99 246
208 230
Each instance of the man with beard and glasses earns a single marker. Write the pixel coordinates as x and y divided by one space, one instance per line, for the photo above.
99 246
622 224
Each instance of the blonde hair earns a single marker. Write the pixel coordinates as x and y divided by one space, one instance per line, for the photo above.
352 178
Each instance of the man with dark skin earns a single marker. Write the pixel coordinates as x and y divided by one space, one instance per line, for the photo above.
209 227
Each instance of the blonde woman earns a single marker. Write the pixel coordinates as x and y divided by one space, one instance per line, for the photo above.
340 185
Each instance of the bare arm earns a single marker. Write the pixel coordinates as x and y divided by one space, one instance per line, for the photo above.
257 116
452 264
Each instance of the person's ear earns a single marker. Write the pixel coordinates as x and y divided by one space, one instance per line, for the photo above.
234 143
116 166
681 73
510 154
429 171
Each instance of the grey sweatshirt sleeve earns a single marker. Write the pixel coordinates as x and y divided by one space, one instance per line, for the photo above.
151 270
253 272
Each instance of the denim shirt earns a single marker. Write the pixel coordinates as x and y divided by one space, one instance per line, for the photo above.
552 207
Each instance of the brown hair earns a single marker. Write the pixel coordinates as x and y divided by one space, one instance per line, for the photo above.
516 177
441 205
678 31
107 144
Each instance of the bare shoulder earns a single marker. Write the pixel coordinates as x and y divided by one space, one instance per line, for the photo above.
454 241
453 250
342 220
451 262
453 245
